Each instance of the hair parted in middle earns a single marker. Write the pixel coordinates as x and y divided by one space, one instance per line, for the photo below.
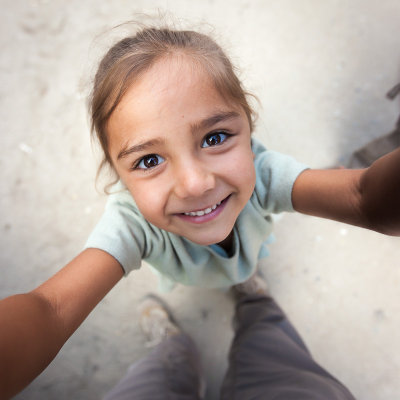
128 60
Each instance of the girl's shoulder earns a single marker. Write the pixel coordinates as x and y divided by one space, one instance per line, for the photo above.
275 176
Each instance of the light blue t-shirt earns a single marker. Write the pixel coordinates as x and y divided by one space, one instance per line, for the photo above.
124 233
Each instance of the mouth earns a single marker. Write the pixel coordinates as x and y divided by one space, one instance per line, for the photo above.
205 215
206 211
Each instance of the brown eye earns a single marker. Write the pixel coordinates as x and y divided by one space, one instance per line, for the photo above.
214 139
150 161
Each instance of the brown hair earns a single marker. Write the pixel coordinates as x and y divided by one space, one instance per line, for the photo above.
131 57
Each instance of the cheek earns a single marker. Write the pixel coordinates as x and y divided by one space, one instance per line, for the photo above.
149 199
243 172
248 179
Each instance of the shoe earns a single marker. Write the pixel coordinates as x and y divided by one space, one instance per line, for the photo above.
156 320
255 285
367 154
158 323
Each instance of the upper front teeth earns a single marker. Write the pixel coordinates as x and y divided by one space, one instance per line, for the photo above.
203 212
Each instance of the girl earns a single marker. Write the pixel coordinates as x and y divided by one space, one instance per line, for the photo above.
195 192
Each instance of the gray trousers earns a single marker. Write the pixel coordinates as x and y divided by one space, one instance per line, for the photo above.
267 360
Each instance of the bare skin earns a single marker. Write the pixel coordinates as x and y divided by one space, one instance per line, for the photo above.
369 198
35 325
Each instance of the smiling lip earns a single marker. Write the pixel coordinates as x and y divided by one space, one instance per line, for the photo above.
201 216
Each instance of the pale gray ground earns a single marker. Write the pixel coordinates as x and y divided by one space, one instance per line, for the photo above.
320 69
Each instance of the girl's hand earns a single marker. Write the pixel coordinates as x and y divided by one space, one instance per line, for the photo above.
35 325
369 198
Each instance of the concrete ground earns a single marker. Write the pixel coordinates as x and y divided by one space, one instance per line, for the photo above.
321 70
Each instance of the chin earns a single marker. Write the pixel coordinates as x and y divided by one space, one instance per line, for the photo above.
204 242
209 240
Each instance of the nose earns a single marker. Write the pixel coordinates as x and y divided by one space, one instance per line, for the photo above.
193 180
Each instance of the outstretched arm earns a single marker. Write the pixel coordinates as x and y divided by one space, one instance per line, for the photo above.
369 198
35 325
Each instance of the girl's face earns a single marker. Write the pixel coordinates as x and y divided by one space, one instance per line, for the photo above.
183 152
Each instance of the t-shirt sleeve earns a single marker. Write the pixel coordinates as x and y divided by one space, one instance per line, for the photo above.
275 177
119 232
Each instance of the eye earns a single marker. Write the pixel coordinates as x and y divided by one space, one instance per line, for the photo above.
148 162
214 139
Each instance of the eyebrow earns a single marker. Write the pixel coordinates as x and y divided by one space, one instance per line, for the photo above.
139 147
202 125
213 120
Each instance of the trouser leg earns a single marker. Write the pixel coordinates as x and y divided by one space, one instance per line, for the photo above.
268 359
170 372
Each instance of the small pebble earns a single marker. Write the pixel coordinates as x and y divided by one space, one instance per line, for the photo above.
379 314
25 148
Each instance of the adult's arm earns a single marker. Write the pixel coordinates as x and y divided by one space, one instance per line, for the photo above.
369 197
35 325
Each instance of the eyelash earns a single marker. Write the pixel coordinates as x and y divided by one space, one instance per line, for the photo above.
137 164
219 133
225 135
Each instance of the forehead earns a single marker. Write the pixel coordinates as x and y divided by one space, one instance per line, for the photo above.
173 75
171 93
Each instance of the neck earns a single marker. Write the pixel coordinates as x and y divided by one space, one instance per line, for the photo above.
227 243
